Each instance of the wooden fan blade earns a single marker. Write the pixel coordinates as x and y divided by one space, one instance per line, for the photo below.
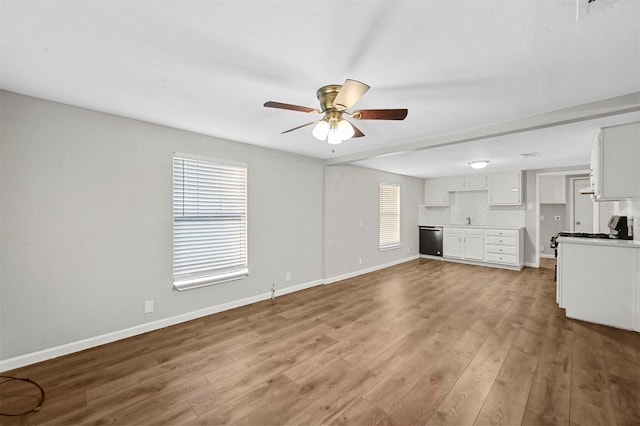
280 105
349 94
299 127
381 114
358 133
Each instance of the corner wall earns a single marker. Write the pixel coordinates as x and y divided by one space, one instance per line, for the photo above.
351 196
86 221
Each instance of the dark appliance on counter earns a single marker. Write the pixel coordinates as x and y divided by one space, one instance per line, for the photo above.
621 227
554 243
431 240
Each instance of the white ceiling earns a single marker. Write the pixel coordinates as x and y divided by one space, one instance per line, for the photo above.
208 67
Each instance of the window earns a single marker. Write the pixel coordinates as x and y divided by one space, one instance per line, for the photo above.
389 235
209 222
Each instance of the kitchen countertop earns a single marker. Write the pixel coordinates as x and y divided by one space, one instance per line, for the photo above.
452 225
600 242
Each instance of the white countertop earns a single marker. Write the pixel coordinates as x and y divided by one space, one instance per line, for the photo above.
600 242
452 225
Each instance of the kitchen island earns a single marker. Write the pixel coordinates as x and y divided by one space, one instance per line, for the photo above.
599 281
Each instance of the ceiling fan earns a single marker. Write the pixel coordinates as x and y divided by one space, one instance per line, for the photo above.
335 100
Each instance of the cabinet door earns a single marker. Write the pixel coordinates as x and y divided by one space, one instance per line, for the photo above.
505 188
553 190
435 192
476 182
619 158
456 183
452 245
473 246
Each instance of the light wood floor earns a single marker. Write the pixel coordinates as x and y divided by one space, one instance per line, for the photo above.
425 342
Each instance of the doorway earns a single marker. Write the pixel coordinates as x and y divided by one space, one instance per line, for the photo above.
582 217
568 212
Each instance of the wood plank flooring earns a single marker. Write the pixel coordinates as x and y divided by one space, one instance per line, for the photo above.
424 342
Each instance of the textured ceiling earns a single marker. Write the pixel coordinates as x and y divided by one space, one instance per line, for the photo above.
208 66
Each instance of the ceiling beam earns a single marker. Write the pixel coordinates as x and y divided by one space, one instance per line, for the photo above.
604 108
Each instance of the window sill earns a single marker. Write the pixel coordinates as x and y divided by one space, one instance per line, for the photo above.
393 247
205 281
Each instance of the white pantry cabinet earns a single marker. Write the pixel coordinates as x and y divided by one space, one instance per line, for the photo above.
435 192
505 189
467 183
615 160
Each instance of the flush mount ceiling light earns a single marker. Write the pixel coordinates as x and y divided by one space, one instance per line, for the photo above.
480 164
335 100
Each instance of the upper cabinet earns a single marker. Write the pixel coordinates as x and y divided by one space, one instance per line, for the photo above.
553 189
467 183
505 189
435 192
615 159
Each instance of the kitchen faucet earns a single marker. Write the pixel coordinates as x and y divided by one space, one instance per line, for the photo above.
468 220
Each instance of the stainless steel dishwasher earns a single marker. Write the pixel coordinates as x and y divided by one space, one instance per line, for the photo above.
431 240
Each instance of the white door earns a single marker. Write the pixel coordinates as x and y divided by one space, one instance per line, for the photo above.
582 207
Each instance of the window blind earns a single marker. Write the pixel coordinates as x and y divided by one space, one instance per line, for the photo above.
209 222
389 234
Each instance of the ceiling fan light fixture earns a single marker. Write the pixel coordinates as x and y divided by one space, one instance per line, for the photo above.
334 137
479 164
345 129
321 130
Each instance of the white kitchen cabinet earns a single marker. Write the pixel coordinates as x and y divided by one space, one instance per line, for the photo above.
505 189
473 244
482 245
463 243
452 243
615 174
435 192
598 281
553 189
467 183
504 246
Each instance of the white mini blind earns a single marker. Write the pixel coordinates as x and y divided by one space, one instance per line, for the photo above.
209 222
389 234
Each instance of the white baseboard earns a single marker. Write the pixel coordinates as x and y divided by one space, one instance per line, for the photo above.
531 264
547 256
57 351
367 270
69 348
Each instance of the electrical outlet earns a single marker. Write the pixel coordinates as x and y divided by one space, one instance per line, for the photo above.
408 249
287 276
148 306
541 247
359 261
361 222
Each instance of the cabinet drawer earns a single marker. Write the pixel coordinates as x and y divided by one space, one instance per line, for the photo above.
500 241
500 249
502 232
501 258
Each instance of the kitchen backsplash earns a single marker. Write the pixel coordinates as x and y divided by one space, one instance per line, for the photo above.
474 204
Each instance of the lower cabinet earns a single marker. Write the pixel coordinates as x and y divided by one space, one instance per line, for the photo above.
494 247
463 243
501 246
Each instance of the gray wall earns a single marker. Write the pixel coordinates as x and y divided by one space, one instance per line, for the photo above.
549 226
86 220
351 196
